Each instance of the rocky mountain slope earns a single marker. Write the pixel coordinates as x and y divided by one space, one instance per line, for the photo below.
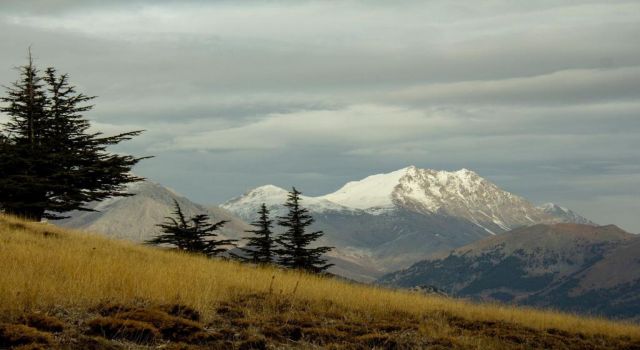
572 267
563 214
135 218
462 194
388 221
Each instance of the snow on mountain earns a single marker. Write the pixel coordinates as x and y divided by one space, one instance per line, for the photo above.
247 205
369 193
395 219
564 215
465 194
461 193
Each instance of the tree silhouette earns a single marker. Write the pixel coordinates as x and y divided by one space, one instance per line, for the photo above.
261 245
49 161
295 251
194 235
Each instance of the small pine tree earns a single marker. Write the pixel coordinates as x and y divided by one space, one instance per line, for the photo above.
295 251
260 247
195 235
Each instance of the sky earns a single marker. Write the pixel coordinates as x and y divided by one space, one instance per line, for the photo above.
540 97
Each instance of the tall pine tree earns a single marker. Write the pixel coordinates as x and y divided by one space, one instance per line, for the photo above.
295 242
49 162
260 247
194 235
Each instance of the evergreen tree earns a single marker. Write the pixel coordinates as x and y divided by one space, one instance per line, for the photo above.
50 163
295 251
194 235
260 247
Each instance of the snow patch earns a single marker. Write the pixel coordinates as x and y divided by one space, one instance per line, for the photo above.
371 192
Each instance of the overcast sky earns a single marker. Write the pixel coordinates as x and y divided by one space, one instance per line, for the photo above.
540 97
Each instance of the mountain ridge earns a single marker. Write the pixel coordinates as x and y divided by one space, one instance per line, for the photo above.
462 193
571 267
389 221
136 217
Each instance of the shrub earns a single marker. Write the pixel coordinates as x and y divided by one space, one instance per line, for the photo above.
43 323
181 311
13 335
171 327
114 328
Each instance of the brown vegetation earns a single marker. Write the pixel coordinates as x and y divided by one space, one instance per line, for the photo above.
115 328
79 291
42 322
14 335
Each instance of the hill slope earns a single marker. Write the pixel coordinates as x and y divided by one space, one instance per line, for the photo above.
583 268
135 218
72 290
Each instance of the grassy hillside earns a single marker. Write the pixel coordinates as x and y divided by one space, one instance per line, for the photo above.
68 289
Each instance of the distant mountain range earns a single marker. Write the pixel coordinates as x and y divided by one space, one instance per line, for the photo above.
572 267
379 224
388 221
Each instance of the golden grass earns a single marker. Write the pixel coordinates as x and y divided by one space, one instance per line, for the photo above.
45 267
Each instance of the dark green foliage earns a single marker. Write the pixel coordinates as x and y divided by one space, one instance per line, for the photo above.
49 162
295 251
195 235
260 247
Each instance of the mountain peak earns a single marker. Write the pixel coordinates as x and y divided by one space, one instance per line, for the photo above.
371 192
379 191
268 194
563 214
269 189
247 205
552 206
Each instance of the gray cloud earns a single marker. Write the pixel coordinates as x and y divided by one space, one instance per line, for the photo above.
540 97
567 87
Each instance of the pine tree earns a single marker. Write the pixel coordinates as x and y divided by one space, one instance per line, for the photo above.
194 235
295 241
260 247
50 163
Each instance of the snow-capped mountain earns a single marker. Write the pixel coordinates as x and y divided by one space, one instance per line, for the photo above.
135 218
248 204
462 194
564 215
371 193
389 221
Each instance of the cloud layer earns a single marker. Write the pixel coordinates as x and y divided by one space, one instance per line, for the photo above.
542 98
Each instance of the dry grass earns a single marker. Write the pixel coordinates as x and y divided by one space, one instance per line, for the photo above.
46 268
